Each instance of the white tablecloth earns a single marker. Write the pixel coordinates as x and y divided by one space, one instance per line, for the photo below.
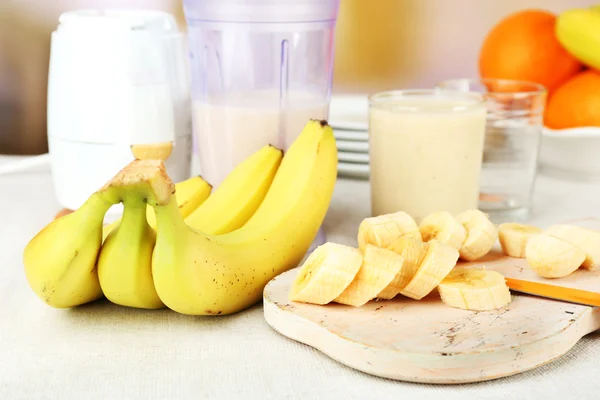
103 351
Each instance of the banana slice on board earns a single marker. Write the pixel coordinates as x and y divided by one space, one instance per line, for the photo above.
481 235
413 251
474 289
381 231
442 225
327 271
551 257
378 269
586 239
437 263
514 237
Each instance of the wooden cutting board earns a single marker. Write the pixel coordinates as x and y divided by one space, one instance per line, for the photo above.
427 341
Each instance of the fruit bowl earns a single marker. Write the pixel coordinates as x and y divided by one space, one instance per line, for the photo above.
571 153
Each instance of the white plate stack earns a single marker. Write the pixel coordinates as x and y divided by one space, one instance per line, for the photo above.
349 118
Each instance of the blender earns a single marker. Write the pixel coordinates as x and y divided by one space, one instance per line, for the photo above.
260 69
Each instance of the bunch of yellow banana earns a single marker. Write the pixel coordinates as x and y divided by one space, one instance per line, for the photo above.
211 258
395 256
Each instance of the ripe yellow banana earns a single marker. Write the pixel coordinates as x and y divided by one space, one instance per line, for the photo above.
578 31
189 193
585 239
379 267
474 289
514 237
551 257
125 260
442 225
436 265
60 261
325 274
239 195
199 274
412 251
481 234
382 230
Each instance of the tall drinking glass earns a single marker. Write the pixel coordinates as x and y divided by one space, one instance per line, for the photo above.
512 142
425 151
260 70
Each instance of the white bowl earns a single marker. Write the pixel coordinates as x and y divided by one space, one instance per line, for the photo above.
571 153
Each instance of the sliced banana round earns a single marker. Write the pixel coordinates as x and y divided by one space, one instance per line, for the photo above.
586 239
442 225
378 269
481 235
437 263
551 257
327 271
514 237
413 251
382 230
474 289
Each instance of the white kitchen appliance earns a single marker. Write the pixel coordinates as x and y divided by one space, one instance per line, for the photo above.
117 78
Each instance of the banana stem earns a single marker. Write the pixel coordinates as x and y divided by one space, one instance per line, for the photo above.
148 178
96 206
134 210
169 221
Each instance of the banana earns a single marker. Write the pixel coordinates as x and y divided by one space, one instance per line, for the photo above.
379 267
578 31
189 193
437 263
481 234
514 237
325 274
585 239
412 251
382 230
196 273
239 195
551 257
441 225
60 260
474 289
125 260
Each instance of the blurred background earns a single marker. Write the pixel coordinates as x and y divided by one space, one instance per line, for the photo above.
380 44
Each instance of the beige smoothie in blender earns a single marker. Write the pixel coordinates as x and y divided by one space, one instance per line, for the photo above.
246 123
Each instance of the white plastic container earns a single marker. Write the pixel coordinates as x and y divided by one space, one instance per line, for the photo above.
116 78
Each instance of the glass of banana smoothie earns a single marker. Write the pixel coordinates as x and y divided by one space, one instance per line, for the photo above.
426 150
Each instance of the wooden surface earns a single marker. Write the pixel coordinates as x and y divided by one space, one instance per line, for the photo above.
427 341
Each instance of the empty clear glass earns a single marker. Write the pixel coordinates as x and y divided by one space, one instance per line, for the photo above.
512 141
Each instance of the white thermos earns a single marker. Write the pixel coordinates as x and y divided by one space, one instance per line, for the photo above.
117 78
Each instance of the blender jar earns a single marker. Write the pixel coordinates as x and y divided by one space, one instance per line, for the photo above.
259 71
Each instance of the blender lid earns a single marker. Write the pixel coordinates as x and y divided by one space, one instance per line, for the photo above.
265 11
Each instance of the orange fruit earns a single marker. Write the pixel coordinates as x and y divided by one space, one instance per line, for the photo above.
575 103
523 46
